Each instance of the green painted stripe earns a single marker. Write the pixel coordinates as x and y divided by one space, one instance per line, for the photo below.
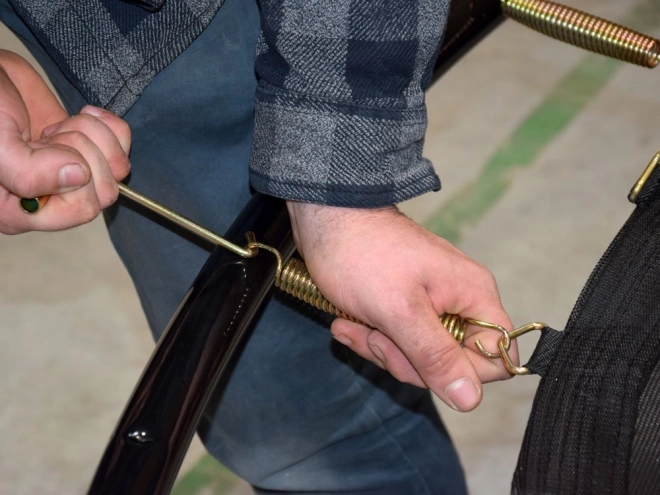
206 477
545 123
568 99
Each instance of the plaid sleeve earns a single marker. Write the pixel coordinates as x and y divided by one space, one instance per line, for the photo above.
340 115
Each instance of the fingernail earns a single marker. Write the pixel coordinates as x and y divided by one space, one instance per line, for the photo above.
94 111
462 395
344 340
72 176
49 130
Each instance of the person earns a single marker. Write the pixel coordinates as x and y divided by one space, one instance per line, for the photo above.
336 129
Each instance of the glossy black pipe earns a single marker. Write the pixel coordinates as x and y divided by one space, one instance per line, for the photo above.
468 23
145 452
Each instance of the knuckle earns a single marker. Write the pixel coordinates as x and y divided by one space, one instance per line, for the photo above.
108 194
490 286
378 345
83 120
73 138
87 211
438 360
409 308
23 184
489 280
120 166
484 277
76 124
123 129
119 127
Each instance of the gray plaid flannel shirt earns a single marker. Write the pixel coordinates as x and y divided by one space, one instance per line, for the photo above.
340 115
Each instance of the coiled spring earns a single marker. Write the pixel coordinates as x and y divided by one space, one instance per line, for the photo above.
295 280
585 31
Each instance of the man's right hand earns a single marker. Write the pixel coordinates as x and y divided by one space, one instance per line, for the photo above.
381 267
77 160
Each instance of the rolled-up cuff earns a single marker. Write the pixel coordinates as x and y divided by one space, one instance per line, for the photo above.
339 155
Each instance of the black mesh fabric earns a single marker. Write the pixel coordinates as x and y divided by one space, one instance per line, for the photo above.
594 423
645 457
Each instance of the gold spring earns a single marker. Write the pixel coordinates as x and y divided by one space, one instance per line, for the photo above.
456 325
294 279
585 31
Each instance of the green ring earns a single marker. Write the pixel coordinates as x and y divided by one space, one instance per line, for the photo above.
30 205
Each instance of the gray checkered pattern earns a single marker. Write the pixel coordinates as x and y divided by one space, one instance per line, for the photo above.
340 116
110 49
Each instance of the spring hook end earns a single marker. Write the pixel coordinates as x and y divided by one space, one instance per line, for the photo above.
503 345
518 332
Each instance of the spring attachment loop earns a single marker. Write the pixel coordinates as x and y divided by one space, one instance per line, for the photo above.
585 31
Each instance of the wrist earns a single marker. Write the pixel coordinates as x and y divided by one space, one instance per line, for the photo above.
312 223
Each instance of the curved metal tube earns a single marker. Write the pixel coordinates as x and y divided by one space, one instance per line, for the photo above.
149 443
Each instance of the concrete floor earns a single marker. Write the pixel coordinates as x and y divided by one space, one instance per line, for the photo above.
73 340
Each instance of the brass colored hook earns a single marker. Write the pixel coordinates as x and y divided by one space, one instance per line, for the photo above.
508 363
505 336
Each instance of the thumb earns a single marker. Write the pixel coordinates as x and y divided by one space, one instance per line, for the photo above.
37 169
437 357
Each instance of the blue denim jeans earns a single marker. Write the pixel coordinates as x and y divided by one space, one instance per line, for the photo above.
299 412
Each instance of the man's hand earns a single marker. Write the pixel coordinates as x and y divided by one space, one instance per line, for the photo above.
43 152
384 269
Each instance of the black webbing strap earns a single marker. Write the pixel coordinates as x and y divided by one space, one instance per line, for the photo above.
545 351
595 422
